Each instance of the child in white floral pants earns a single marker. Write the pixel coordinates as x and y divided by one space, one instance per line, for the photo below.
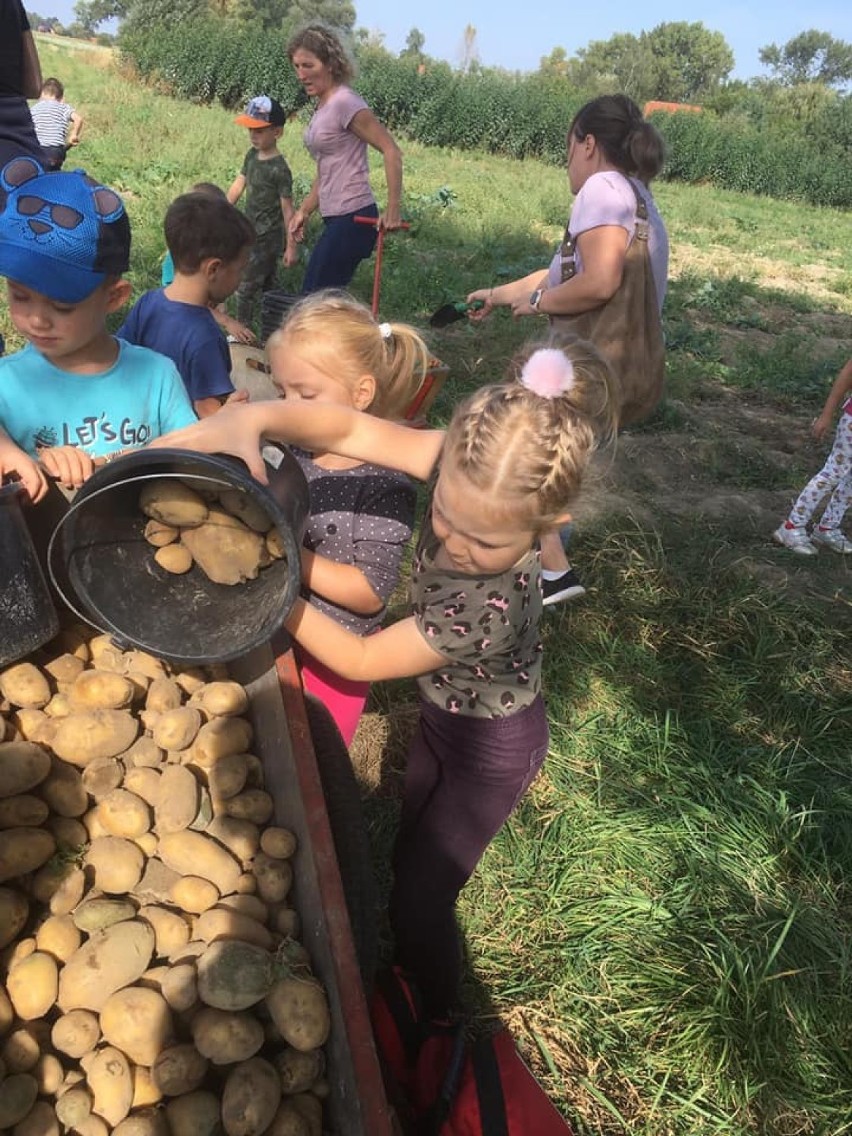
835 477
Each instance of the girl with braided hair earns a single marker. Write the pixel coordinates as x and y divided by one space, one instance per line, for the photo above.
503 473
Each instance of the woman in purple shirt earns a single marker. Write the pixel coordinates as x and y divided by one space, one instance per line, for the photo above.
337 137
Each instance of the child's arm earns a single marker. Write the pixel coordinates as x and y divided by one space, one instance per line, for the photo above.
840 388
76 128
309 205
68 464
399 651
341 584
240 430
230 326
291 250
14 460
235 189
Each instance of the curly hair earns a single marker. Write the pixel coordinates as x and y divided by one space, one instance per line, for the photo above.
325 43
338 335
527 451
630 143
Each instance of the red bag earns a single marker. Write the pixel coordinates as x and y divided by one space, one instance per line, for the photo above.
444 1085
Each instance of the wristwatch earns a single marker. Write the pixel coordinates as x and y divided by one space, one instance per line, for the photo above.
535 300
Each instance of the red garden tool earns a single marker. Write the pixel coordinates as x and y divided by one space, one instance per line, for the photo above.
380 244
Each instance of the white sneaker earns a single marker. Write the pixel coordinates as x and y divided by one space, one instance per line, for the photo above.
833 539
797 540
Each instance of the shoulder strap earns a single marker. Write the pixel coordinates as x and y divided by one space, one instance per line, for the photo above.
489 1088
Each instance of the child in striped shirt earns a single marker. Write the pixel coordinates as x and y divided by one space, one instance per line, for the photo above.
52 118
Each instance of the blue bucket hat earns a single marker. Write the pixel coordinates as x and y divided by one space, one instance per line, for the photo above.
61 234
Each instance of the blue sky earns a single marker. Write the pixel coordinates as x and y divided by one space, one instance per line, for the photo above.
516 36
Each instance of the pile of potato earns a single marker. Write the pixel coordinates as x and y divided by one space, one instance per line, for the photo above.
226 533
151 981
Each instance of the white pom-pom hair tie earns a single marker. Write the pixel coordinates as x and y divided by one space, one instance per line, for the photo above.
385 329
548 373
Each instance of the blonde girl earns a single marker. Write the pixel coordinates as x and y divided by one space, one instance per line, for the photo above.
505 471
332 351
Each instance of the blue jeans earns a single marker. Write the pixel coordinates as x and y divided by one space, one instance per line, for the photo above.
340 249
463 779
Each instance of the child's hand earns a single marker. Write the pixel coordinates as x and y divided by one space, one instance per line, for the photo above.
25 469
232 430
67 464
238 396
821 425
240 332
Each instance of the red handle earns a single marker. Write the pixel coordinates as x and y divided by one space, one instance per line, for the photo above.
380 244
361 220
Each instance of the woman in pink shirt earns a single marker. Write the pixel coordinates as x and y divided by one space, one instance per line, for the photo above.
337 137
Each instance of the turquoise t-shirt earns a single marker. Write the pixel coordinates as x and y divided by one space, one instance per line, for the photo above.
139 398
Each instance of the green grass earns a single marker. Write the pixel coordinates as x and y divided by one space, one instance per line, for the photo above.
666 922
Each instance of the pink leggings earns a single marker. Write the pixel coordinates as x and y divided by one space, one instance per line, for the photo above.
343 699
835 477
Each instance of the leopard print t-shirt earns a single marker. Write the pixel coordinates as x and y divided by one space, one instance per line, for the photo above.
486 626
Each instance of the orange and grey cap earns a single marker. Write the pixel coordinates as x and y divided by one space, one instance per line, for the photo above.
261 111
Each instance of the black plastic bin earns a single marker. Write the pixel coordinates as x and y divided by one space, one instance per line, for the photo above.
274 307
27 615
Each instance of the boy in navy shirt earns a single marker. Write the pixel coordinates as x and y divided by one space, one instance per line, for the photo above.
210 242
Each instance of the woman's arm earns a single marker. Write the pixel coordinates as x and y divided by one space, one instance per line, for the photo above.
240 430
506 294
399 651
367 127
341 584
30 67
309 205
603 251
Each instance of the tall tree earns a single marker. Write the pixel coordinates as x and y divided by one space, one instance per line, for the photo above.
469 51
622 64
415 41
690 60
810 57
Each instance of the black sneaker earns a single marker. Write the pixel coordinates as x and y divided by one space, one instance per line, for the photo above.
564 587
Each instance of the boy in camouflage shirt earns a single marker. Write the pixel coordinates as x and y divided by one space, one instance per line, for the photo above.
268 183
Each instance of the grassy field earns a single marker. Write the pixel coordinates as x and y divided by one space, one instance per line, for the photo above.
666 923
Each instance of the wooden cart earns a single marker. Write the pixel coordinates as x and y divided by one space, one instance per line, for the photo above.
357 1105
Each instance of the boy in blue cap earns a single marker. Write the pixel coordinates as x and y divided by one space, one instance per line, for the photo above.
75 394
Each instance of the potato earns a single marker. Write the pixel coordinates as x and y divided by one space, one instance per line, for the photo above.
14 912
65 668
39 1121
226 550
138 1022
176 729
117 864
101 777
143 663
104 690
194 1114
93 734
163 694
21 1050
193 894
255 805
68 891
239 504
98 913
59 937
225 1037
227 777
285 920
274 878
122 813
111 1082
246 905
298 1069
73 1107
310 1109
190 679
223 698
234 975
299 1009
279 843
219 923
49 1074
147 1123
241 837
109 961
179 1069
23 765
174 558
32 985
275 545
145 1092
23 850
219 738
143 754
250 1098
195 854
288 1121
76 1033
25 685
34 726
68 832
92 1126
7 1014
171 931
179 986
64 791
172 502
17 1097
160 535
144 782
177 807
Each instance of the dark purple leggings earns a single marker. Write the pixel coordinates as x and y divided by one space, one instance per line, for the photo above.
463 780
